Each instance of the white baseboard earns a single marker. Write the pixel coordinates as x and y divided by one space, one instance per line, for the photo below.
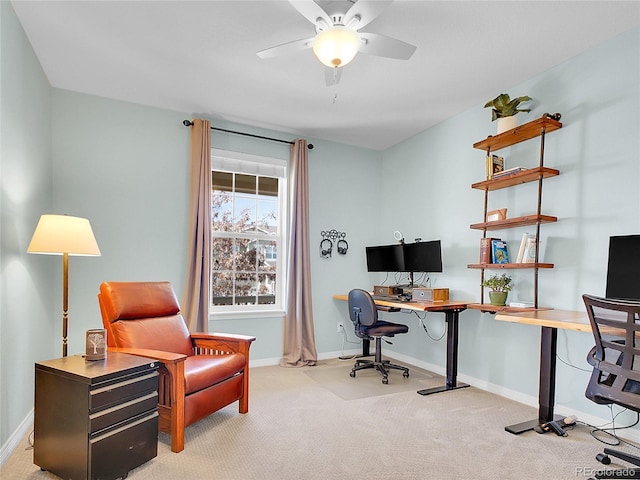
269 362
16 437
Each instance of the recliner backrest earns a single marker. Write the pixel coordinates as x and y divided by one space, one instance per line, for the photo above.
144 315
362 308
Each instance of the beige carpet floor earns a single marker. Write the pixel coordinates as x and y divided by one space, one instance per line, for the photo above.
368 382
298 428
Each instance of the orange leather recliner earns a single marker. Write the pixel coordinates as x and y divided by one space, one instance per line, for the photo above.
199 373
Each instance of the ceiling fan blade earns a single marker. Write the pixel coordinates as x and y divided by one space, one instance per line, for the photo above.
286 48
311 11
382 46
332 76
367 10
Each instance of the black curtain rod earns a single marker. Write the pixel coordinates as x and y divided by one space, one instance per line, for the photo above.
189 123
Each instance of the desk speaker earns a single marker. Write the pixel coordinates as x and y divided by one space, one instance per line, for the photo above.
429 294
386 291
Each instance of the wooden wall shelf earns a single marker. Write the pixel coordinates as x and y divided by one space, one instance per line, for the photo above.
488 308
519 134
528 131
514 222
509 266
525 176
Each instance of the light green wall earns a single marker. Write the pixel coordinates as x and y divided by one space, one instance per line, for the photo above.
596 195
27 315
125 167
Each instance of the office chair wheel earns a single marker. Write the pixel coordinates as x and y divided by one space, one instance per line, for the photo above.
405 374
385 380
352 374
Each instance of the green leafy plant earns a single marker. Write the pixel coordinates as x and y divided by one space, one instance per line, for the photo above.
498 283
503 106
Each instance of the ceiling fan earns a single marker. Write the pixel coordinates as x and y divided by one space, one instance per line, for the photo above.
338 37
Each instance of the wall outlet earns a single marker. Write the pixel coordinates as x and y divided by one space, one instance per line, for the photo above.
340 327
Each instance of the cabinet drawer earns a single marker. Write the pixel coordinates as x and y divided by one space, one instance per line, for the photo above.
120 392
118 413
114 453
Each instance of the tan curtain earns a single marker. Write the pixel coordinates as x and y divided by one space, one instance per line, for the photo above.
195 302
299 335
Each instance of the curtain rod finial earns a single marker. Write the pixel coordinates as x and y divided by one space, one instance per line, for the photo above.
187 123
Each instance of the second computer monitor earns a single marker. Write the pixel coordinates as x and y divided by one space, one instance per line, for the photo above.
623 271
423 257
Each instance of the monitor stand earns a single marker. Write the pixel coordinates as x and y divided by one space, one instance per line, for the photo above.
406 289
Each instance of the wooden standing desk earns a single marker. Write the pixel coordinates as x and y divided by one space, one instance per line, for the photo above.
549 321
451 310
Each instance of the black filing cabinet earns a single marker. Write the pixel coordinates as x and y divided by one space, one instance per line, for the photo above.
95 419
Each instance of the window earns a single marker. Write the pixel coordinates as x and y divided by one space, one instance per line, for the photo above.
247 246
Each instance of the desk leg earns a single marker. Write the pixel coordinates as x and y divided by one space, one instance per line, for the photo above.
451 319
547 386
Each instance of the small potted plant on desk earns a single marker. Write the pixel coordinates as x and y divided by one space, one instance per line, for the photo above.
499 286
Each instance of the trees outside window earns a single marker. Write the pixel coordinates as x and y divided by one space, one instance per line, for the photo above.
246 240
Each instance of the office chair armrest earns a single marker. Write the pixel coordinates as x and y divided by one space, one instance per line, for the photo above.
221 343
591 357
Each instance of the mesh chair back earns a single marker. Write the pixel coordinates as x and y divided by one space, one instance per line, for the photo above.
616 355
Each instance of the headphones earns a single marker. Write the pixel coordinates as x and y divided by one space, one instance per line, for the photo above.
326 246
343 246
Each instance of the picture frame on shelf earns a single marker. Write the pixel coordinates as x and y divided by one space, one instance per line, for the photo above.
496 215
529 255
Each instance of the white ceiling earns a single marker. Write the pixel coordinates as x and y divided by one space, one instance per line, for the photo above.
200 57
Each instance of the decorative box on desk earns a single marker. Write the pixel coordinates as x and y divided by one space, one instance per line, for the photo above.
95 419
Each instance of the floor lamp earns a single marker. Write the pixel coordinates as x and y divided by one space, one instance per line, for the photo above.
64 235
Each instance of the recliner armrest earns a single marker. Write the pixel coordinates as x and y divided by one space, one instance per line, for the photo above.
223 343
164 357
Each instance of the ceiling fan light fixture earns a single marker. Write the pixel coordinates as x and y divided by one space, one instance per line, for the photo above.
336 46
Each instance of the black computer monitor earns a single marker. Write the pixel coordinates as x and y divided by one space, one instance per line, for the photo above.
623 271
385 258
423 257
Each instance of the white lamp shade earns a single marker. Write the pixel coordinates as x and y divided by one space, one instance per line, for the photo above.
59 234
336 46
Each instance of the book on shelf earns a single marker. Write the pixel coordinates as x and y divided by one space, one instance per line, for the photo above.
529 255
521 304
485 249
508 172
499 252
494 164
523 244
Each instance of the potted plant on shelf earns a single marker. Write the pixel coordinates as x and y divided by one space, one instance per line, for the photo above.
504 110
499 286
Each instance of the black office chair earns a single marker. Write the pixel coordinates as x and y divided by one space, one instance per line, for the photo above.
364 315
616 365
